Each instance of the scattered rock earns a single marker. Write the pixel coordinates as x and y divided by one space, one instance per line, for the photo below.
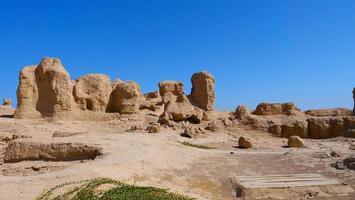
295 141
182 111
5 138
9 137
241 112
36 168
227 122
189 132
164 120
7 102
137 128
214 126
295 127
153 128
334 154
311 195
350 162
245 143
200 130
276 109
16 136
21 151
202 93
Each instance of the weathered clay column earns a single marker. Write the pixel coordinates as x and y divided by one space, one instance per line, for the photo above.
202 92
354 101
44 90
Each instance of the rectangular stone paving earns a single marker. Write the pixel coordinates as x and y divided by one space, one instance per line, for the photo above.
280 181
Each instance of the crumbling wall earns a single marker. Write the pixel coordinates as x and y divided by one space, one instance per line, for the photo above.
46 90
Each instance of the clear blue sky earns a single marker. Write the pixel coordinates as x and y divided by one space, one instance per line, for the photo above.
258 50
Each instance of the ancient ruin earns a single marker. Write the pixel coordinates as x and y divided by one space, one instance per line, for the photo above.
276 109
124 98
92 92
177 100
69 130
46 90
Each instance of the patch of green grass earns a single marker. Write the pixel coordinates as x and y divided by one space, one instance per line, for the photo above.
196 145
120 191
127 192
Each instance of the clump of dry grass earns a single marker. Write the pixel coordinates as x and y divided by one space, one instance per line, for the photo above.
196 145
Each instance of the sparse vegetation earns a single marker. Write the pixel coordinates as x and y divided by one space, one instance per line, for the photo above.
196 145
119 191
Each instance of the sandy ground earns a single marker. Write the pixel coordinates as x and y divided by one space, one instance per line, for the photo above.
160 160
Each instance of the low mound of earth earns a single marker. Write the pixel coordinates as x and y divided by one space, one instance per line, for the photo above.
21 151
329 112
